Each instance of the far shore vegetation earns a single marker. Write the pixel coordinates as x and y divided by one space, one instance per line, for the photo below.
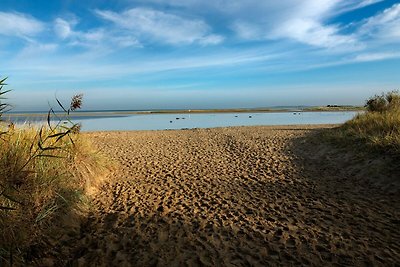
45 175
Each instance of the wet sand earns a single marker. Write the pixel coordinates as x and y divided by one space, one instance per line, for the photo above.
241 196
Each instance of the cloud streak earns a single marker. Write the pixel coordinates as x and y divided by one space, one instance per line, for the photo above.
92 38
65 71
146 23
376 56
384 26
303 22
19 25
299 21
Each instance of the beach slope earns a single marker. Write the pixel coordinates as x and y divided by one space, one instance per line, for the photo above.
242 196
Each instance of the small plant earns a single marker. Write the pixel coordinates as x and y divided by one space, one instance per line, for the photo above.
3 106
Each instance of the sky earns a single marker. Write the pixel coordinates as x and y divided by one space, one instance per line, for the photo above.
192 54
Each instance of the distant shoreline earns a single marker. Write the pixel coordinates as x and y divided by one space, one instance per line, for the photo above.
194 111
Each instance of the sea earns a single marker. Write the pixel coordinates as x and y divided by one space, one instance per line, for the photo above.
154 121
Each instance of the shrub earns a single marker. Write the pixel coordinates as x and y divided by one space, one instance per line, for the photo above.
383 102
393 99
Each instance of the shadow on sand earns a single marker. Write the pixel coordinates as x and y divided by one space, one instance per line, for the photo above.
304 206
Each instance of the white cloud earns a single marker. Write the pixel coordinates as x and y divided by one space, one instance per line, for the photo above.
385 26
146 23
65 30
211 39
311 32
18 24
299 21
376 56
89 68
36 49
126 41
303 21
365 3
62 28
91 38
248 8
349 5
248 31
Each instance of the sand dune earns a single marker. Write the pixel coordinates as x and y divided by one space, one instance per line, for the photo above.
245 196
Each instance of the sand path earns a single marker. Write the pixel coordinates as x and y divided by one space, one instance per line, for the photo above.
246 196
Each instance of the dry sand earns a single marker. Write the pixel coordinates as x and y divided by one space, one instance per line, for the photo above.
244 196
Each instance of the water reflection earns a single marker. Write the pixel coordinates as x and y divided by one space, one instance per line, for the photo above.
211 120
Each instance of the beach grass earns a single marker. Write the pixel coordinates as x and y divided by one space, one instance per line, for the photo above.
46 173
377 129
36 194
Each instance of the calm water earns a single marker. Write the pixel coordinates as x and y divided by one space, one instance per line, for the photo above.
189 121
181 121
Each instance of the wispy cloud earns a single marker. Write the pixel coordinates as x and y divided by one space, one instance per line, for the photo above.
36 49
67 69
312 32
366 57
248 31
306 22
146 23
349 5
91 38
303 22
20 25
384 26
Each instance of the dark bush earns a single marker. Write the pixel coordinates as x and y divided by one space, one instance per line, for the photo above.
383 102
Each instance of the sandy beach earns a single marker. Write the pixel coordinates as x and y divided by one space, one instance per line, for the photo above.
241 196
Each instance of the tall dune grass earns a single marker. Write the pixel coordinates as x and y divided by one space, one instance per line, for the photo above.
45 173
378 128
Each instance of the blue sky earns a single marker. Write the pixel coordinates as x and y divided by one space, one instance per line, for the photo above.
144 54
